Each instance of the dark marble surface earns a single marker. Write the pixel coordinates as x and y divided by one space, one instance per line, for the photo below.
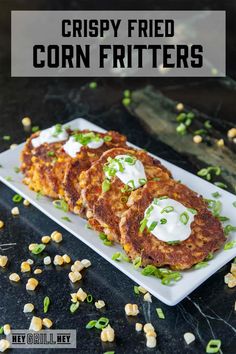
209 311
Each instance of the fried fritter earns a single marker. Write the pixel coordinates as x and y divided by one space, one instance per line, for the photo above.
206 231
104 209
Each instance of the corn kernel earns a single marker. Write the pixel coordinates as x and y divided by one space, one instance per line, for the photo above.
142 290
46 239
4 345
228 277
81 295
66 258
13 146
147 297
197 139
58 260
26 202
138 327
7 329
32 246
56 236
36 324
148 327
74 297
1 224
231 133
151 333
220 142
232 283
77 266
14 277
100 304
75 276
3 261
25 267
30 261
189 337
28 308
38 271
108 334
131 309
86 263
151 342
179 106
47 322
32 284
233 269
26 121
47 260
15 211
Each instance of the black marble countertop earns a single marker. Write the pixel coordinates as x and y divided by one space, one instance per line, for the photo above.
208 312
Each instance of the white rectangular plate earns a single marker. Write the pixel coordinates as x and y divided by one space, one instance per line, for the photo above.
170 295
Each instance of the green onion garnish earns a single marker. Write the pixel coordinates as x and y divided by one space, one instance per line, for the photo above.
126 93
213 346
228 229
207 124
91 324
143 224
66 218
102 323
137 262
89 298
163 221
93 85
223 218
46 303
160 313
173 243
184 218
167 276
152 226
221 185
17 198
209 257
193 211
16 169
142 181
136 290
35 129
131 184
38 248
6 137
105 240
50 153
74 307
106 185
61 204
216 195
107 138
229 245
126 101
9 179
201 265
1 330
167 209
116 257
206 172
181 129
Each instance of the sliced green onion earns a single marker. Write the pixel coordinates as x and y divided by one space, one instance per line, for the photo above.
229 245
116 256
200 132
93 85
9 179
209 257
184 218
1 330
17 198
106 185
223 218
35 129
102 323
207 124
228 229
142 181
89 298
181 129
126 93
16 169
66 218
108 243
163 221
6 137
46 303
213 346
136 290
50 153
167 209
38 248
143 224
152 226
131 184
107 138
137 262
216 195
160 313
173 243
201 265
193 211
74 307
91 324
149 270
221 185
126 101
61 204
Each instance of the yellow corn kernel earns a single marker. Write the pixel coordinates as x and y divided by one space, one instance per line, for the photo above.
1 224
189 337
25 267
77 266
75 276
138 327
220 142
151 333
26 121
47 322
232 283
28 308
36 324
46 239
131 309
148 327
228 277
66 258
108 334
142 290
3 261
81 295
32 284
7 329
231 133
197 139
56 236
147 297
100 304
15 211
127 247
26 202
4 345
32 246
33 158
38 271
179 106
86 263
233 269
74 297
151 342
14 277
58 260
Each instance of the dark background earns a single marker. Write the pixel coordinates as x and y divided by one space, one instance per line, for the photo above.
209 311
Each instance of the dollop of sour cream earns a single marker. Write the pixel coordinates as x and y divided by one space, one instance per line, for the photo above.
51 135
168 220
73 146
128 169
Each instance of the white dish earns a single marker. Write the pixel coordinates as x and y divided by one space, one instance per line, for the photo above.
170 295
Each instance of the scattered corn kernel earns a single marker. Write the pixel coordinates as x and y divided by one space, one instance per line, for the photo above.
58 260
25 267
234 140
232 283
228 277
3 261
131 309
4 345
108 334
26 202
47 322
233 269
74 297
32 284
189 337
197 139
151 334
142 290
81 295
220 142
36 324
7 329
56 236
231 133
46 239
32 246
30 261
15 211
13 146
1 224
151 342
26 121
14 277
28 308
38 271
47 260
180 107
77 266
138 327
148 327
147 297
100 304
66 258
86 263
74 276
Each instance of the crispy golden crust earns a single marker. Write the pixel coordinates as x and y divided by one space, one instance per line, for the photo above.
107 208
207 233
83 162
